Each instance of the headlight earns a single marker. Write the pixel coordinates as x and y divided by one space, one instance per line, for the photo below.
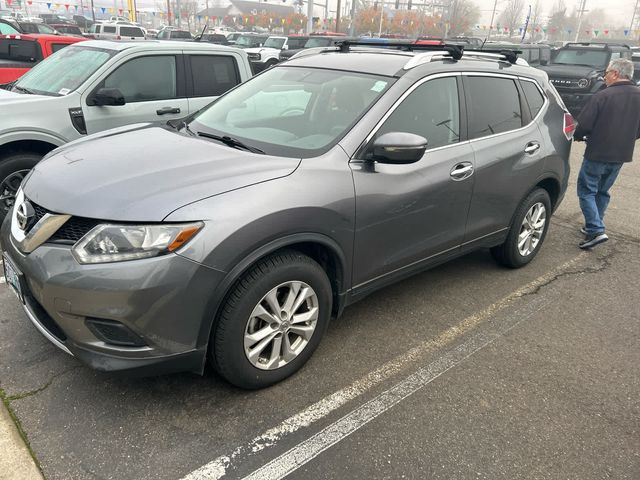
118 243
254 56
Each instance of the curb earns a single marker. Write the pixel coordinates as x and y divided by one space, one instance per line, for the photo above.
16 463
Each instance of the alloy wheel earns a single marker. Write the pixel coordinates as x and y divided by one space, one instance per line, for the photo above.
532 229
281 325
9 187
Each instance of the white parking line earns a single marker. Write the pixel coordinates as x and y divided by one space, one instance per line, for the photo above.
218 467
341 429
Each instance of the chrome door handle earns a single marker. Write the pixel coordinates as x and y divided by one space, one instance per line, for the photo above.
461 171
531 148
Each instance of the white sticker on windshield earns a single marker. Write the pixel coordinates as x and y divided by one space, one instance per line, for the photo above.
64 91
379 86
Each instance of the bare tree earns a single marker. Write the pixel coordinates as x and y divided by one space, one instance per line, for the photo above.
462 15
512 16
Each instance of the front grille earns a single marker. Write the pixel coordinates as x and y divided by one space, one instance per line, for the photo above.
71 231
569 84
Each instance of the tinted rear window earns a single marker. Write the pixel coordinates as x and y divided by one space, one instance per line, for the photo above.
106 29
131 32
16 49
213 75
179 34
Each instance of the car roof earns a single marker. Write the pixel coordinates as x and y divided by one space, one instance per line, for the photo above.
121 45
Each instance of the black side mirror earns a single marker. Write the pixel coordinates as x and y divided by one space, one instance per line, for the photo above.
108 96
399 148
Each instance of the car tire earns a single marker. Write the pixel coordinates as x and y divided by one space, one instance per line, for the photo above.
527 232
13 169
270 63
254 345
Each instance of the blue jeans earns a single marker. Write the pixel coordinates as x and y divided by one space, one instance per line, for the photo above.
594 181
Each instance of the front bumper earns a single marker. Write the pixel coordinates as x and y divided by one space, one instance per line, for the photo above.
162 302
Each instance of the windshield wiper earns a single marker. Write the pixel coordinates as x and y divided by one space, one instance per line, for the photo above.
231 142
22 89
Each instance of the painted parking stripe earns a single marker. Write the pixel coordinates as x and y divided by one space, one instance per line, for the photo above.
219 467
309 449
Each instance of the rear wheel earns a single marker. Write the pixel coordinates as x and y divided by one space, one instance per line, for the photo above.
13 169
528 231
272 320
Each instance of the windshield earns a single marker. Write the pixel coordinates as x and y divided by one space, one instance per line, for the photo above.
593 58
6 29
42 28
292 111
274 42
319 42
64 71
249 41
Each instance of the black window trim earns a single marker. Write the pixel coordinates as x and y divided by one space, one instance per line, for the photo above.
189 86
180 81
524 108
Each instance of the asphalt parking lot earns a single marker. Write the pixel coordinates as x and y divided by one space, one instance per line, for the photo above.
467 371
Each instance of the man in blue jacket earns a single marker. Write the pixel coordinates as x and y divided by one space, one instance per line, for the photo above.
610 124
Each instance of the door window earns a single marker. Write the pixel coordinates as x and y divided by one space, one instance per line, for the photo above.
106 29
145 79
213 74
432 111
494 106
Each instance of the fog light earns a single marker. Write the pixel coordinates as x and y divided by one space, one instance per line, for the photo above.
114 333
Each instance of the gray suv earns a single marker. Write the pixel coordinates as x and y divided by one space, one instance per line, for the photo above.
236 234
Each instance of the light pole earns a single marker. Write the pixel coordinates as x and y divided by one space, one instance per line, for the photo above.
582 10
633 17
493 14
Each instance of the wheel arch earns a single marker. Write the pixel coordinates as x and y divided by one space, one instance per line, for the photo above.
40 146
324 250
552 186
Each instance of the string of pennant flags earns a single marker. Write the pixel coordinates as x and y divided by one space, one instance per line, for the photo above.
593 31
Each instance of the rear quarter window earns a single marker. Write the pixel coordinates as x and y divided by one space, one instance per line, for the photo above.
534 97
58 46
108 29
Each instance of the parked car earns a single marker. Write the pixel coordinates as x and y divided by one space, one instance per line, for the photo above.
232 37
98 85
635 58
217 38
314 41
535 54
268 54
577 70
250 40
67 29
83 22
33 27
115 31
174 34
54 18
238 234
20 52
8 27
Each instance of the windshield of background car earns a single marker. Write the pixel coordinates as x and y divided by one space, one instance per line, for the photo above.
274 43
64 71
248 41
594 58
6 29
319 42
293 111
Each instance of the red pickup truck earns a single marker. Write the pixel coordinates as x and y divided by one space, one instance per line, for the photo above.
20 52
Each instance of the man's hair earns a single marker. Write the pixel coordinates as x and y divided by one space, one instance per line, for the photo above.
623 66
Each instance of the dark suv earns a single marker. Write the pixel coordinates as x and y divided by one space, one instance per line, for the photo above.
577 69
237 233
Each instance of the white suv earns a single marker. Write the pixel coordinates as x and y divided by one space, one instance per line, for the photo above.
116 31
268 54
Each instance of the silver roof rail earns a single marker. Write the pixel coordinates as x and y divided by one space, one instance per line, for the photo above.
427 57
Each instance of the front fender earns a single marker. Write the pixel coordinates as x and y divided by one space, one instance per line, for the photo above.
16 135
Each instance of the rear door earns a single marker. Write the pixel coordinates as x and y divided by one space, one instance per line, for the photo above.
208 77
153 88
508 151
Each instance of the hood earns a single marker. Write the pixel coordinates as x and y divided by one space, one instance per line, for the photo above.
7 97
568 71
290 53
261 50
144 174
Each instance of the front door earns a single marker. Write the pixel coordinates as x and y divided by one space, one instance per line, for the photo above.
408 216
151 91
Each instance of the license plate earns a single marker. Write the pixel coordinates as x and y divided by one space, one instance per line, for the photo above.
12 276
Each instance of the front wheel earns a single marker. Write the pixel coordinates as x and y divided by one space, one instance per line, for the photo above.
272 320
13 169
528 231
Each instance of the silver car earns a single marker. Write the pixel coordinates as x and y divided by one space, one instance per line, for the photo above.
236 234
